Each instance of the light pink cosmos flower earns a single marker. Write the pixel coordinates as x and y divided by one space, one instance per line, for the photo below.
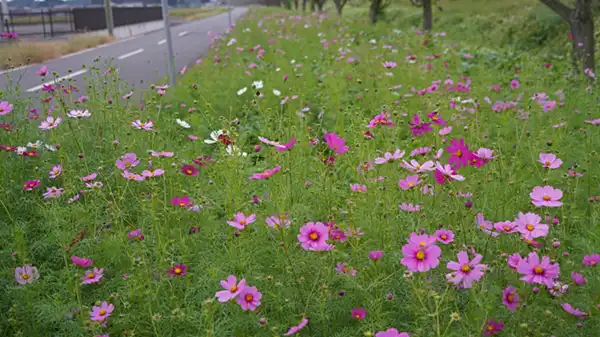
422 256
295 329
138 124
81 261
128 95
549 160
249 298
578 278
448 171
546 196
55 171
101 312
510 298
240 220
50 123
573 311
514 260
343 268
444 236
381 120
287 146
92 276
445 131
414 166
514 84
465 271
530 227
485 225
410 207
132 176
5 108
270 142
278 221
409 182
485 154
314 236
89 177
593 121
391 332
43 71
536 271
335 143
388 156
232 289
420 151
358 188
266 174
53 192
389 64
26 274
506 227
147 174
127 161
161 154
79 113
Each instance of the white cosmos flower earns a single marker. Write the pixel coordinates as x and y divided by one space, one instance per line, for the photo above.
242 91
36 145
214 136
233 150
276 92
21 150
257 84
51 148
232 41
78 113
183 124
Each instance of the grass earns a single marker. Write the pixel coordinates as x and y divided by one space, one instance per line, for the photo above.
317 75
21 53
35 20
191 14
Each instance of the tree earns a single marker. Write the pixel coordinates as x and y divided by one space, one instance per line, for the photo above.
339 5
581 23
427 13
320 4
377 9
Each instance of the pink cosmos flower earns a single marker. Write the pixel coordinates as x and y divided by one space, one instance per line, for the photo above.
232 289
147 174
138 124
314 236
43 71
549 160
578 278
92 276
414 166
391 332
189 170
380 119
128 95
31 185
161 154
358 188
573 311
338 235
530 227
514 260
593 122
506 227
359 313
409 182
483 155
5 108
460 153
343 268
295 329
514 84
591 260
493 327
536 271
388 156
287 146
136 234
240 220
376 255
270 142
50 123
178 270
81 261
445 131
444 236
336 143
127 161
419 128
445 174
278 221
55 171
418 258
420 151
389 64
101 312
26 274
510 298
249 298
549 106
53 192
266 174
465 271
182 202
89 177
485 225
131 176
546 196
410 207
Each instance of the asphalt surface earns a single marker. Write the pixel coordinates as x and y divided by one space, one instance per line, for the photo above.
140 60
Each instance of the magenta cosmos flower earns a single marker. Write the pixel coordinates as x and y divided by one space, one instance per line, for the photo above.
591 260
31 185
420 258
549 160
465 271
578 278
530 227
358 188
26 274
546 196
136 234
181 202
419 128
189 170
536 271
513 261
380 119
510 298
314 236
178 270
493 327
240 220
92 276
409 182
249 298
460 153
81 261
101 312
359 313
391 332
295 329
287 146
266 174
444 236
573 311
336 144
232 289
127 161
376 255
5 108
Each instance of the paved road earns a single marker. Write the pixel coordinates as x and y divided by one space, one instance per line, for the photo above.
140 60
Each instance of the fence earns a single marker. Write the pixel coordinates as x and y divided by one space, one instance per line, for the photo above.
45 22
86 19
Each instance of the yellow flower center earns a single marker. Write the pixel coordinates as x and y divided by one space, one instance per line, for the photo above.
102 312
345 269
420 255
490 327
177 271
510 298
243 222
465 268
91 275
189 171
25 276
313 236
357 316
411 184
249 298
507 228
546 198
127 164
529 227
547 163
444 236
233 289
1 110
459 153
538 270
181 204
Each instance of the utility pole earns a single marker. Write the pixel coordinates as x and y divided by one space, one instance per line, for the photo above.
171 60
229 12
4 16
108 15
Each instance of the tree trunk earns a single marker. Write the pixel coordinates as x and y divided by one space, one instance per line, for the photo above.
582 28
338 6
427 15
374 10
320 4
296 4
304 5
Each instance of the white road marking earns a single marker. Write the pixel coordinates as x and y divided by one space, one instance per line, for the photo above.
162 42
184 33
14 69
71 75
97 47
135 52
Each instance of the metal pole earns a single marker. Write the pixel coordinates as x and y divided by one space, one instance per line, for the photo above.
229 12
3 16
170 61
108 17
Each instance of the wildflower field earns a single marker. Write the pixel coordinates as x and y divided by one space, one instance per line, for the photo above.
314 175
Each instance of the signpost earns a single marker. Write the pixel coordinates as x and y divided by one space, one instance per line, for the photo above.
4 16
170 61
108 15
